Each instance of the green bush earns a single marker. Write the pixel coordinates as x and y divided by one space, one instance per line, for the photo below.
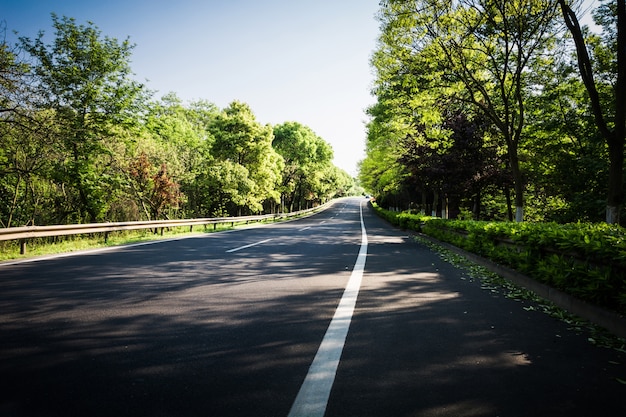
586 260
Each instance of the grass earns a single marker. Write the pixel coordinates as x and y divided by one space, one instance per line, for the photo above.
10 250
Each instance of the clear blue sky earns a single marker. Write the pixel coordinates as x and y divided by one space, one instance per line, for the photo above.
290 60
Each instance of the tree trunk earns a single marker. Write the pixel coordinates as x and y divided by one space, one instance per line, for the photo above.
14 202
518 183
435 203
615 195
614 138
509 209
444 207
476 208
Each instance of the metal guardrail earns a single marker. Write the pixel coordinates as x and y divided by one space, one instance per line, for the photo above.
28 232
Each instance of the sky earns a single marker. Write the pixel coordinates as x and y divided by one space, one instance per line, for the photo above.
289 60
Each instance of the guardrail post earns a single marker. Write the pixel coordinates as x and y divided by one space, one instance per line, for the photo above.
21 234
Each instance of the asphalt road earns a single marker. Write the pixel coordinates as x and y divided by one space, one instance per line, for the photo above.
229 324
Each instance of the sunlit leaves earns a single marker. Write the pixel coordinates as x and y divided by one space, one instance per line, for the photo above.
84 79
81 141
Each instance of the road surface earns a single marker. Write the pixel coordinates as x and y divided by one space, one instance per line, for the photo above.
337 314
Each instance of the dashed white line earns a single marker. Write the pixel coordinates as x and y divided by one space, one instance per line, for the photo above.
248 246
312 398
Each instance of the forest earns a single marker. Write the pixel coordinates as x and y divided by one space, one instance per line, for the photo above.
82 142
499 110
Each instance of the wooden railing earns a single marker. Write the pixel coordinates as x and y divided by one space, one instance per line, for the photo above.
28 232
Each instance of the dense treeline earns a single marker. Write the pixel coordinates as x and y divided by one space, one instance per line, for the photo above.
81 141
499 109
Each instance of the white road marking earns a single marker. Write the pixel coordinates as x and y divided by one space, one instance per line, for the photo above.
313 396
304 228
248 246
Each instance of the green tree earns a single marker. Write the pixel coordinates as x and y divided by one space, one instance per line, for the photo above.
181 138
602 66
484 50
241 140
226 187
381 172
85 80
309 176
561 139
27 147
308 173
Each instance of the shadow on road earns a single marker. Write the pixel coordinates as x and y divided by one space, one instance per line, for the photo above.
185 331
427 340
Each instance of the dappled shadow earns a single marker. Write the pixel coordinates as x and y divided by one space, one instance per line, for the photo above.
426 340
189 331
194 330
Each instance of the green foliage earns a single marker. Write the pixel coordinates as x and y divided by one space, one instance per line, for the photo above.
437 60
84 81
511 65
80 141
241 140
308 176
587 260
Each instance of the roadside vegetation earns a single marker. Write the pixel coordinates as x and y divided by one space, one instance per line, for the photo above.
499 127
81 141
499 110
11 249
585 260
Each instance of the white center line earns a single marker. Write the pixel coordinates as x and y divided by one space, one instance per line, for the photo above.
313 396
304 228
248 246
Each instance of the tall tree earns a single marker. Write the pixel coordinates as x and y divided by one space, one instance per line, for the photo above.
609 115
307 158
85 80
241 140
484 49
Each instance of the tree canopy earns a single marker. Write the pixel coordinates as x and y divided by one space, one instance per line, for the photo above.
480 111
82 141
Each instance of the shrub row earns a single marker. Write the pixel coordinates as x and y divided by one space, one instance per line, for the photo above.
585 260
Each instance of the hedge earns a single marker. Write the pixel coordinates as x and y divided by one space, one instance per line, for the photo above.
586 260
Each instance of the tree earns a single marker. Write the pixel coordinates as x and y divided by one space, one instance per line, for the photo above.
459 172
85 80
27 145
562 139
483 49
241 140
154 189
12 80
179 136
307 173
381 172
609 115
